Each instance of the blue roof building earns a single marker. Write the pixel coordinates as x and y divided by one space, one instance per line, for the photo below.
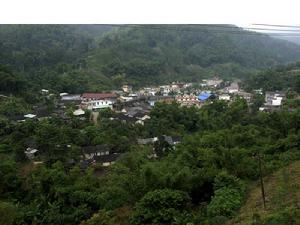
204 96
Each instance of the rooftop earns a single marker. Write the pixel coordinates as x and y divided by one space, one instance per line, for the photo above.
99 95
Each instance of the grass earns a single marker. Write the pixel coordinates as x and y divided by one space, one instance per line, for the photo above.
282 196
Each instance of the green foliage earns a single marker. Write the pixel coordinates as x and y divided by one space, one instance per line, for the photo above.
282 78
100 218
161 207
208 168
225 202
166 52
7 213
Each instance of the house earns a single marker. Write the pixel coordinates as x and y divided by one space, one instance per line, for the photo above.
127 88
45 91
31 152
124 118
274 98
165 90
187 100
3 96
106 160
204 96
142 119
98 150
215 82
233 88
78 112
126 98
146 141
63 93
224 97
172 140
245 95
166 99
29 116
98 100
66 99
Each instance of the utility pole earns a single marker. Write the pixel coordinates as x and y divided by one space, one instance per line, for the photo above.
261 181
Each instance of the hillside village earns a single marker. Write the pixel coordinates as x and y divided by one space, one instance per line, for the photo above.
134 106
148 124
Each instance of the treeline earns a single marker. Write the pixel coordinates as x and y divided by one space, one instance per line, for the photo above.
203 180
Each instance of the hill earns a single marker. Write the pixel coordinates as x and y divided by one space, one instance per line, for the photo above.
76 58
161 53
292 38
51 56
282 200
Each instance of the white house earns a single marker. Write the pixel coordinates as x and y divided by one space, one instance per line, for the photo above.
98 100
31 152
215 82
45 91
274 98
224 97
233 88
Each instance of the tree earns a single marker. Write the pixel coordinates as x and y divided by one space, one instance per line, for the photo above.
163 206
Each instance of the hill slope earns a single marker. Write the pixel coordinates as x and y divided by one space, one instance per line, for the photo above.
282 195
96 57
165 52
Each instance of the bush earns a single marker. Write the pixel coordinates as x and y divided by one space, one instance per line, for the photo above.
161 207
225 202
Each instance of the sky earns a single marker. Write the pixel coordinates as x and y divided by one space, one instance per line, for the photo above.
240 12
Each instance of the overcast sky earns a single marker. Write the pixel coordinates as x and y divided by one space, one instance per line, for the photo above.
240 12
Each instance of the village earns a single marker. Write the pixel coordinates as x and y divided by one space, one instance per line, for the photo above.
134 106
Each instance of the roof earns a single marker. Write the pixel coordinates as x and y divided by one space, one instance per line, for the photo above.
122 117
94 149
29 115
41 111
171 140
204 96
78 112
31 151
106 158
68 97
146 141
159 97
99 95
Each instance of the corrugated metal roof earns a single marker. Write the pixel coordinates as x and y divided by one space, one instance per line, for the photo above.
204 96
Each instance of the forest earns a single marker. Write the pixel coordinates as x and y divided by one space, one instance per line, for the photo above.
203 180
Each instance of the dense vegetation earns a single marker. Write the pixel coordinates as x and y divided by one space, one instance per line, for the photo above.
167 53
203 180
280 78
76 58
